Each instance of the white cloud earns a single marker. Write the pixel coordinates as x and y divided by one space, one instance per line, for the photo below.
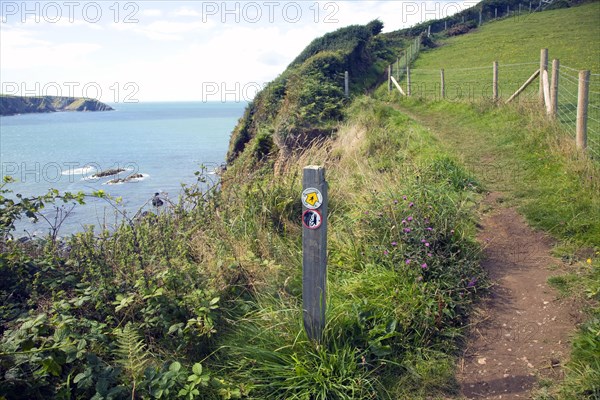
165 30
172 54
152 12
185 12
71 55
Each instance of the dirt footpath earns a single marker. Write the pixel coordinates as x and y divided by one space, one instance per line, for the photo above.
521 332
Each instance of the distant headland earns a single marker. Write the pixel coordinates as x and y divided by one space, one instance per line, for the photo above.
11 105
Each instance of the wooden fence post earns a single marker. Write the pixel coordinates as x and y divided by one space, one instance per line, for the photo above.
527 82
346 84
496 13
429 31
495 81
314 250
582 109
445 25
554 89
407 79
480 12
390 78
543 67
443 83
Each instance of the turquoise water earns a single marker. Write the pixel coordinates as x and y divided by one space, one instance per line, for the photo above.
165 142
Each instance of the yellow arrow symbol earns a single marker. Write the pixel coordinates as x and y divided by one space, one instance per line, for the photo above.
311 198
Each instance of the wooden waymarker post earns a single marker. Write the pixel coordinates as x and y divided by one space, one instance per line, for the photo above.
314 250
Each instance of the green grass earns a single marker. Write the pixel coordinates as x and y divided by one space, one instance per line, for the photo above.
393 325
132 312
571 35
517 152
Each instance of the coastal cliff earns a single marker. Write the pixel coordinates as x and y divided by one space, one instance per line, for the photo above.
11 105
306 102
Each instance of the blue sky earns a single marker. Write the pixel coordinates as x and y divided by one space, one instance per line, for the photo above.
121 51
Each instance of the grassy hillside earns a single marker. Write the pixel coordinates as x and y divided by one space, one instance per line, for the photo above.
215 311
113 314
305 103
516 150
571 35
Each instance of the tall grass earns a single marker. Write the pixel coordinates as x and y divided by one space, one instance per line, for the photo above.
516 151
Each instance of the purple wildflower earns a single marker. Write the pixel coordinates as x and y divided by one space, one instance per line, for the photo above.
429 255
404 222
385 252
411 204
427 244
407 261
394 244
472 283
424 265
395 201
404 197
429 228
409 219
452 231
406 230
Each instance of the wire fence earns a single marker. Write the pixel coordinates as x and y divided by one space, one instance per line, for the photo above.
476 84
483 13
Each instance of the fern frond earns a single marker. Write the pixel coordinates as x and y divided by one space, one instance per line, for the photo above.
131 352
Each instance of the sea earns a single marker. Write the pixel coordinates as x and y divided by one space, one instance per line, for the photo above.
162 143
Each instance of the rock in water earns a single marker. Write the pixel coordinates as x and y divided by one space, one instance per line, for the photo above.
124 180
